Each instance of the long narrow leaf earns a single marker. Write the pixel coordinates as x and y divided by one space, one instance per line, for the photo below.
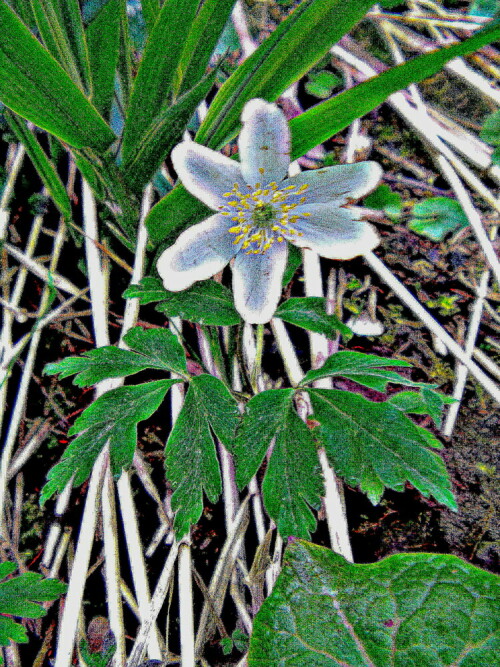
36 87
103 39
286 55
153 83
150 11
327 118
71 20
201 42
42 164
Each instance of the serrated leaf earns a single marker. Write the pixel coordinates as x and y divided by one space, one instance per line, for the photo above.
19 597
430 610
436 217
191 463
374 445
151 348
55 104
310 313
149 290
207 302
362 368
292 483
425 402
112 418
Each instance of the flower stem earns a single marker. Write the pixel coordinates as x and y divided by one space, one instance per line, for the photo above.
257 366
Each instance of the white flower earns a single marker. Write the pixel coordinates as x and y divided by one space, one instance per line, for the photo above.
259 209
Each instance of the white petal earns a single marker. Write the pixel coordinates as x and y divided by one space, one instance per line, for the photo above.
199 253
363 325
334 232
205 173
257 283
264 143
343 182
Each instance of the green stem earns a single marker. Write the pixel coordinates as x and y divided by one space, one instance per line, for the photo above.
257 368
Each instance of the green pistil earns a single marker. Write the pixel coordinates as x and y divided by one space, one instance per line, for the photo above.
263 215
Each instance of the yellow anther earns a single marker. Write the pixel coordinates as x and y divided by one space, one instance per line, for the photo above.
261 171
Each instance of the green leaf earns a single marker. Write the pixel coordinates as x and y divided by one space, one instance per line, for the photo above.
201 41
191 463
154 348
149 290
53 102
103 39
484 8
384 199
495 156
150 11
43 165
292 483
430 610
165 131
112 417
20 596
325 119
491 129
321 84
375 445
207 302
425 402
436 217
362 368
298 43
153 84
310 313
293 262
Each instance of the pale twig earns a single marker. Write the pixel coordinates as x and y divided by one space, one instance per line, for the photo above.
13 167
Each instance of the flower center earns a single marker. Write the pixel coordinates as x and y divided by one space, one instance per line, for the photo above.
264 216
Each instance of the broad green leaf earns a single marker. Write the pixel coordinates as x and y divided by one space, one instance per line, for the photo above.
207 302
374 445
362 368
201 41
292 483
112 418
151 348
298 42
424 402
322 121
310 313
55 103
149 290
191 463
430 610
43 165
165 131
436 217
153 84
103 39
384 199
491 129
321 84
19 597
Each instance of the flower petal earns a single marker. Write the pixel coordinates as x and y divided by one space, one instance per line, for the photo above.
199 253
343 182
334 232
264 143
206 174
257 283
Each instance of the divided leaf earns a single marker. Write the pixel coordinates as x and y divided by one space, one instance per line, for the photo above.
310 313
112 418
425 402
375 445
207 302
292 483
191 462
365 369
408 609
19 597
153 348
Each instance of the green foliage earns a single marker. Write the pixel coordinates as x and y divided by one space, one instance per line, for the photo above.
112 419
19 597
207 302
292 483
408 609
384 199
375 445
321 84
484 8
191 463
436 217
425 402
238 639
55 104
149 290
97 659
151 348
310 313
